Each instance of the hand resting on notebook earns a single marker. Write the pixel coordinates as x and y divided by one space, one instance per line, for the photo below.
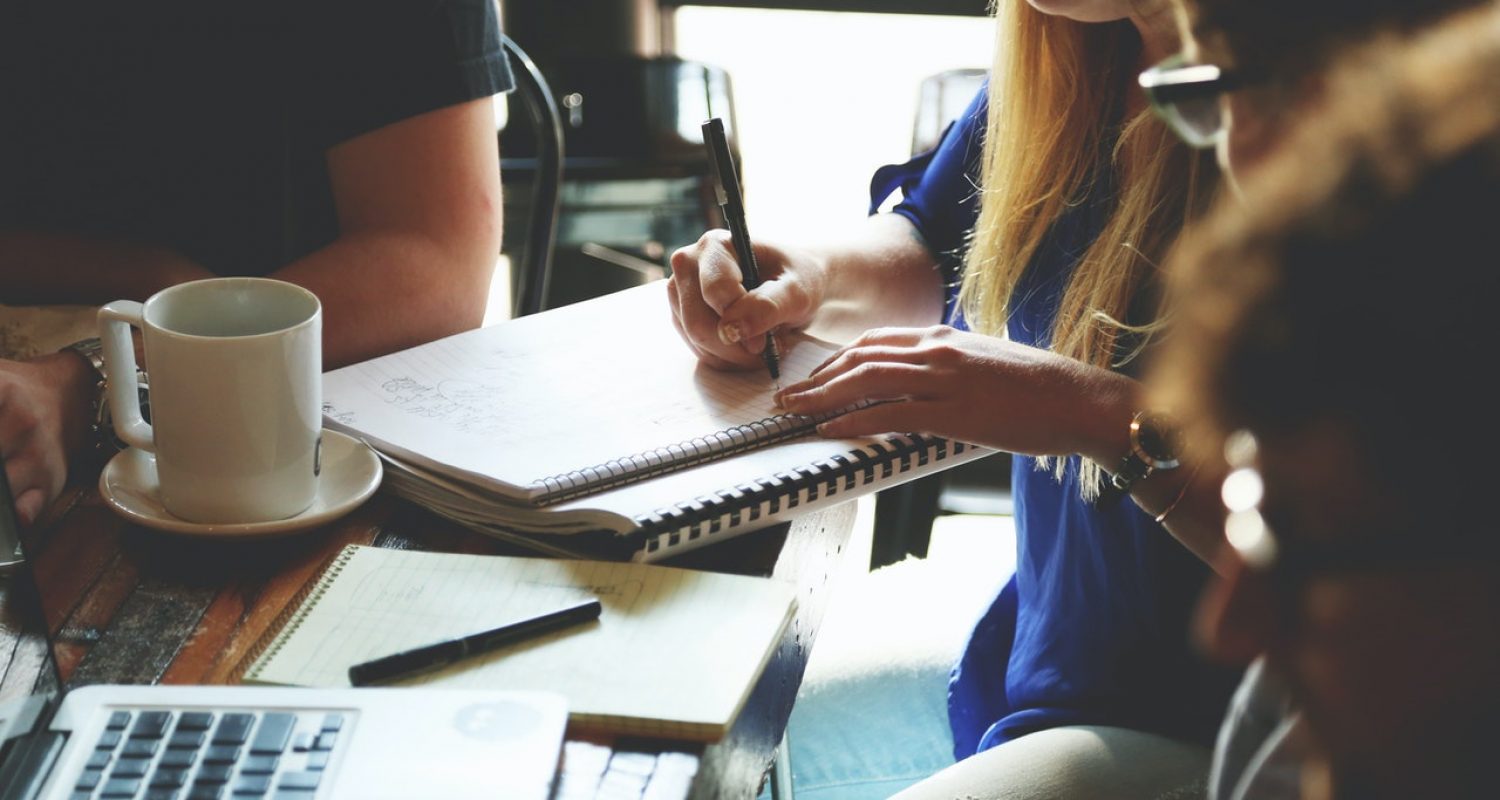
970 387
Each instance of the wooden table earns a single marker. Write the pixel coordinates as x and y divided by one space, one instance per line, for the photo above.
128 605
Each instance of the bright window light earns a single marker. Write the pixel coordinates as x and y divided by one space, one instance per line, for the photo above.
822 99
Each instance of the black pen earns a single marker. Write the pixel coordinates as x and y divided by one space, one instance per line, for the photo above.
727 190
441 654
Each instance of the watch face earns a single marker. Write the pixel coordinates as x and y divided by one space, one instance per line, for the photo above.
1158 440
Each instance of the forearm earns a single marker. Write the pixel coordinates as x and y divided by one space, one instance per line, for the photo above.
47 268
385 291
879 275
1189 493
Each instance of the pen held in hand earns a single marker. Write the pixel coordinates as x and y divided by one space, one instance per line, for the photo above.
441 654
732 204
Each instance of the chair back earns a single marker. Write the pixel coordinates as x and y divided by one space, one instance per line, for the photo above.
534 268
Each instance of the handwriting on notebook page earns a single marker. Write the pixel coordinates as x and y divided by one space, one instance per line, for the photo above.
526 400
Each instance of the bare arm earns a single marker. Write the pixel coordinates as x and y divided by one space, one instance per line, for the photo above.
420 224
419 211
419 214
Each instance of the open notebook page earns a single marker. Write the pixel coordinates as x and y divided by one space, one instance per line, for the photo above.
513 404
674 653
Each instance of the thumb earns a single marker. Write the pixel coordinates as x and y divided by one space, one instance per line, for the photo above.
768 307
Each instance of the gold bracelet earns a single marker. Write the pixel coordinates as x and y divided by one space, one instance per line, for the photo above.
1172 506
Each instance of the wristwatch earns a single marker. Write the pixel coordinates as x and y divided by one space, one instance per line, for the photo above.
1154 444
102 424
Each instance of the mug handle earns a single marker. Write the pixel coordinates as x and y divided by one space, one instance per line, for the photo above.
115 320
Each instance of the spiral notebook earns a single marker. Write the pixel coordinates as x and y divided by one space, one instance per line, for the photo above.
675 652
595 418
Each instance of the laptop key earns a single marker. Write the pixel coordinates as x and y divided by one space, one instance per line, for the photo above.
120 787
252 784
151 725
303 742
299 780
333 722
130 768
234 729
168 778
118 720
187 740
108 740
293 794
99 759
214 773
161 794
317 760
178 759
139 748
221 754
274 732
195 721
324 741
205 791
259 765
88 780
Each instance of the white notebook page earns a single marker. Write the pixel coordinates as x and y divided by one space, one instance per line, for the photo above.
548 394
674 652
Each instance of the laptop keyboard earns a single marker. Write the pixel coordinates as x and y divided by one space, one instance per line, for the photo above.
207 755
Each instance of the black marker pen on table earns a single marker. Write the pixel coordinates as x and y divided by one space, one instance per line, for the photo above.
441 654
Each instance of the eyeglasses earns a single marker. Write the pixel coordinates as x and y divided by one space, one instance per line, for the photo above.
1186 97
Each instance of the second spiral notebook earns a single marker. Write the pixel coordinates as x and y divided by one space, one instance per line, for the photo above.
596 418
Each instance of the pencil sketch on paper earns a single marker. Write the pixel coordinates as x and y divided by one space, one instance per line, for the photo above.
463 406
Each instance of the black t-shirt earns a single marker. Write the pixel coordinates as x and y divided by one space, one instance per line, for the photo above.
202 125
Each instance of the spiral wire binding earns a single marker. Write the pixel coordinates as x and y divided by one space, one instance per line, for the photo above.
701 450
706 515
291 617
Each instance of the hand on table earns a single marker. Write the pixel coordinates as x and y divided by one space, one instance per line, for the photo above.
44 408
726 325
966 386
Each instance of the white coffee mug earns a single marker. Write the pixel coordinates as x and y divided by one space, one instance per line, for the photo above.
236 395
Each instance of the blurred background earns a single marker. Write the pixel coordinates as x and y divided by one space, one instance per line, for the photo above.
816 94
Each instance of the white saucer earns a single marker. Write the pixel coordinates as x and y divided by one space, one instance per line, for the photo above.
351 473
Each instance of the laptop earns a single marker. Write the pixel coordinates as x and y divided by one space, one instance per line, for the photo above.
241 742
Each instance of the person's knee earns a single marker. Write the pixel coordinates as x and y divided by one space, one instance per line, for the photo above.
1076 763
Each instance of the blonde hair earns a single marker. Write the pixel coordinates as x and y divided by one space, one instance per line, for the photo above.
1056 118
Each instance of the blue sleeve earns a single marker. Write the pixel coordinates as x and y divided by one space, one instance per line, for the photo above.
939 188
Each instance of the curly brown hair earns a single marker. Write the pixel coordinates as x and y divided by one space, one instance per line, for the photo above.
1357 282
1285 39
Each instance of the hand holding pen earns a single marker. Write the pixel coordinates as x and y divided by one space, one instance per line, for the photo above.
727 192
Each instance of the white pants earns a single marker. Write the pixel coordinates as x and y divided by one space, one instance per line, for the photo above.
1075 763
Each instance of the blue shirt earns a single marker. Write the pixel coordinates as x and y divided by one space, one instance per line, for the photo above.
1093 628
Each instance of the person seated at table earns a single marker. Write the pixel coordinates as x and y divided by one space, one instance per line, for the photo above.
1083 192
1325 334
347 147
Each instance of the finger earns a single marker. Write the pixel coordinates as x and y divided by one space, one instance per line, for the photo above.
866 382
851 358
676 306
877 337
29 505
697 322
28 485
705 356
896 417
765 309
720 280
